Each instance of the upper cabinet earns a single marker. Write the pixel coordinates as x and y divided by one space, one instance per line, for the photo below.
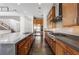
51 16
70 14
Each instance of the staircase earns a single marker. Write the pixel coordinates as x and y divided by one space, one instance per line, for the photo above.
5 26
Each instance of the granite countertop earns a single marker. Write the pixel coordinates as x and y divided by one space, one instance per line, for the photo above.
72 41
12 38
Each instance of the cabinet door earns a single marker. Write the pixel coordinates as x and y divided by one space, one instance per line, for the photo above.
51 16
53 45
69 12
22 47
59 49
50 42
22 50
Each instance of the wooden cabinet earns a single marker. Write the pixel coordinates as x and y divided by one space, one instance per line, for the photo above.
50 17
70 14
23 47
60 48
64 49
71 51
50 42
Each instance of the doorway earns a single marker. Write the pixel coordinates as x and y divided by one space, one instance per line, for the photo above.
38 26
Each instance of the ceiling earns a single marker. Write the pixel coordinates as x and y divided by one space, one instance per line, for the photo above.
30 9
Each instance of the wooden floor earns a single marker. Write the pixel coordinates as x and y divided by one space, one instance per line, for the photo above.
40 47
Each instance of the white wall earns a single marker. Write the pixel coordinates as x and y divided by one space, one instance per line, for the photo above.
4 31
13 23
45 22
26 24
57 9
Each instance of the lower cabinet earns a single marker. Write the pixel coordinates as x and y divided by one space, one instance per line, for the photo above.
60 48
64 49
23 47
51 43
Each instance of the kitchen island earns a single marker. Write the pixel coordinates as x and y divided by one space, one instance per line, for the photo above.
9 43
